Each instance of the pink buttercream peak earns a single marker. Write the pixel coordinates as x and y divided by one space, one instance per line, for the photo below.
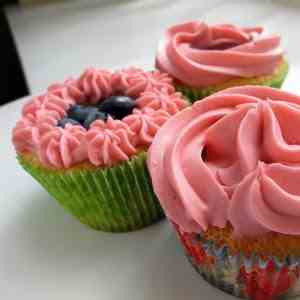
63 147
145 123
95 84
109 143
233 157
133 81
199 55
49 102
23 135
68 90
92 86
155 99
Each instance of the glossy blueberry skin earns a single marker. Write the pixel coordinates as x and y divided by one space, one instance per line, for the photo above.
80 112
118 106
93 116
63 122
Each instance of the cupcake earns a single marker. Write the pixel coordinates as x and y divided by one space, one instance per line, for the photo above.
205 59
227 173
86 140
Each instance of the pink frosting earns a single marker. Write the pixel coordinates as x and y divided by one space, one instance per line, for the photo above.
105 143
109 142
62 148
48 102
162 100
233 157
134 81
199 55
93 84
24 135
145 123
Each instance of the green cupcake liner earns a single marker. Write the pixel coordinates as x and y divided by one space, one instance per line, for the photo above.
114 199
275 80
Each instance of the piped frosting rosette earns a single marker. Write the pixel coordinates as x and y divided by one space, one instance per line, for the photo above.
232 157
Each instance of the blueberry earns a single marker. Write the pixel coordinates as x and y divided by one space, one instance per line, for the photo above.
80 112
93 116
62 123
118 106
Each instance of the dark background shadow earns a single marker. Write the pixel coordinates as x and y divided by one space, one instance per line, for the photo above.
12 84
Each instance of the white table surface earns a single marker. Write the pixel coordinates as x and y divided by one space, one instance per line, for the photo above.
44 252
61 39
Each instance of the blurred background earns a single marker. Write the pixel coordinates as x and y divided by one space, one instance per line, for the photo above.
47 41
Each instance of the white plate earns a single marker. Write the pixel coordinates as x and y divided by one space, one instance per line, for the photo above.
46 254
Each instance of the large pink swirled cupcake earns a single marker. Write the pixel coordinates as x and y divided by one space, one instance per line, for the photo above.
227 174
205 59
86 142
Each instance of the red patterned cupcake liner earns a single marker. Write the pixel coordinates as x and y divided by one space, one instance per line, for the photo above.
254 277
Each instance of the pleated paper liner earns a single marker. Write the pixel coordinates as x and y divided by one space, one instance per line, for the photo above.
275 80
114 199
251 277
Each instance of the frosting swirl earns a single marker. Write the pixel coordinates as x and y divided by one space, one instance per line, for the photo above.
171 103
199 55
91 86
134 81
68 90
105 143
233 157
109 142
24 135
145 123
48 101
61 148
95 84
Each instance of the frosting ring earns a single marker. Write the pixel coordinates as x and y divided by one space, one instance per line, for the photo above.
104 143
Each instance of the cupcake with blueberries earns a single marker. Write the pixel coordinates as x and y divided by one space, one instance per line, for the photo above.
204 59
86 140
227 172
